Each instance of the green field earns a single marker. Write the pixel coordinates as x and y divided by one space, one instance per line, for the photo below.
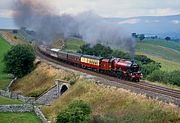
159 51
18 118
4 100
168 44
4 78
73 45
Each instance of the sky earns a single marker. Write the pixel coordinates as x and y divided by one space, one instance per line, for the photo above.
104 8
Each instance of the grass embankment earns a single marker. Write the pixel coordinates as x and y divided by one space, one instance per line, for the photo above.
40 80
4 78
18 118
73 44
6 101
114 105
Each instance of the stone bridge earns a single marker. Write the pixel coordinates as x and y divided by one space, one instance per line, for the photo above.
58 89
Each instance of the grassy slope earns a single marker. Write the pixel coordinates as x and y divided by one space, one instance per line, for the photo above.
166 65
114 104
73 45
4 78
40 80
18 118
4 100
17 40
159 51
164 43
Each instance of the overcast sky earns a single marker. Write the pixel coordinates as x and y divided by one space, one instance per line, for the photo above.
105 8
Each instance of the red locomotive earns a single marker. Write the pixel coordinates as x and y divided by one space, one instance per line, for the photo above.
120 68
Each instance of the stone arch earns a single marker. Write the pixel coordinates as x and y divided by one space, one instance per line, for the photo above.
62 86
63 89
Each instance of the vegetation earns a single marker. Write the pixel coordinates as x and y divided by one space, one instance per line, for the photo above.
4 100
111 105
167 38
159 42
76 112
159 51
165 77
4 78
166 65
73 44
27 117
141 37
97 50
43 78
19 60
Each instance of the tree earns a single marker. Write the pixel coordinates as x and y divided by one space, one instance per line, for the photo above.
167 38
143 59
19 60
134 35
76 112
97 50
141 37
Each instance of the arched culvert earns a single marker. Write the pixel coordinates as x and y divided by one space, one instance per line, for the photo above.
64 88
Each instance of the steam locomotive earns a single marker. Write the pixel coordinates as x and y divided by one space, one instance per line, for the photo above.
117 67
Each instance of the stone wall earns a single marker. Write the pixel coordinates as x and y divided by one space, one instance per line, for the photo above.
16 108
18 96
40 114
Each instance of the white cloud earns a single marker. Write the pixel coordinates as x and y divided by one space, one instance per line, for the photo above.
164 11
130 21
176 21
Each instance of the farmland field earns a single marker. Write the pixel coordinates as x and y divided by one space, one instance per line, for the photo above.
166 65
18 118
168 44
4 78
159 51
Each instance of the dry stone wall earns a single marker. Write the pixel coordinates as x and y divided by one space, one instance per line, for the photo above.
16 108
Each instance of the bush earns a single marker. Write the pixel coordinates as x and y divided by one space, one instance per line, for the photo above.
157 75
165 77
76 112
174 77
143 59
120 54
147 69
19 60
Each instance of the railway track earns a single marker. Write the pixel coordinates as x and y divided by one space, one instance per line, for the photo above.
173 93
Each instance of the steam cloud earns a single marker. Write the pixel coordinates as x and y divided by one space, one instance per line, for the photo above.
39 17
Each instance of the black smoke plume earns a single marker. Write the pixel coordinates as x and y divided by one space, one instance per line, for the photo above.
41 18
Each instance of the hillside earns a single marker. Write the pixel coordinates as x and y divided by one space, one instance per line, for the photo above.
73 45
43 78
160 42
110 105
4 78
